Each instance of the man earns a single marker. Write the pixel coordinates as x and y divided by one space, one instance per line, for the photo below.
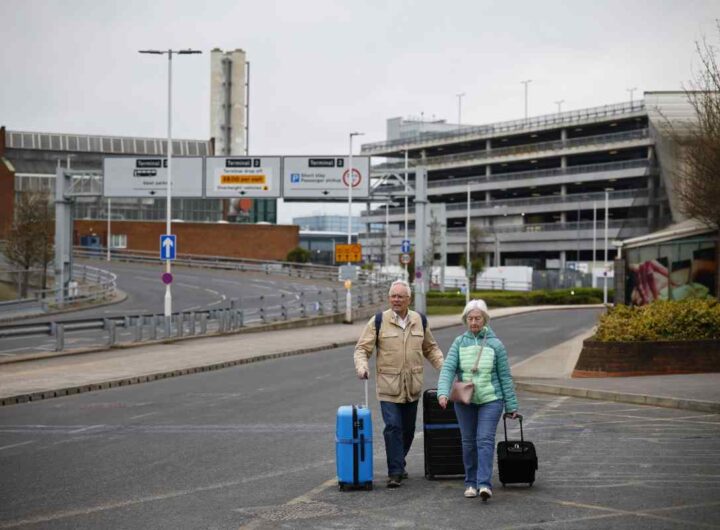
402 342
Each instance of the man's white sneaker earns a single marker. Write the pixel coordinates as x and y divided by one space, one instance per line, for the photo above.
485 493
470 492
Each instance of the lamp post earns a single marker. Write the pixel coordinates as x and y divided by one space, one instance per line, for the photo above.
169 53
460 96
559 104
348 296
605 271
631 90
407 177
526 83
468 265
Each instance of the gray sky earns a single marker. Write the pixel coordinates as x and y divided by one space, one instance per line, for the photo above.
323 68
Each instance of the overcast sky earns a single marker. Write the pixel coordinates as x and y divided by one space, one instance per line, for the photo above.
323 68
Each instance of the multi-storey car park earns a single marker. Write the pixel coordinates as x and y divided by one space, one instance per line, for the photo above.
537 184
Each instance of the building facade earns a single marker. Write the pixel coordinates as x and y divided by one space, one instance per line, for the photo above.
539 187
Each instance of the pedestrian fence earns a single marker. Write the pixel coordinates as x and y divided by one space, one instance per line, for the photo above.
240 313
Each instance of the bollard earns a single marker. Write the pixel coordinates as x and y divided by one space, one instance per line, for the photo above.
112 336
262 309
303 311
60 337
203 323
320 305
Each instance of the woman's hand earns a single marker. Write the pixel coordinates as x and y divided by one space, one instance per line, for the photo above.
442 400
512 415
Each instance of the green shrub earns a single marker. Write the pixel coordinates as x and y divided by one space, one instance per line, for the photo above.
519 298
298 255
690 319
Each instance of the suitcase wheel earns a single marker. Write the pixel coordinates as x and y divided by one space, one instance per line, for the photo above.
341 486
531 484
429 476
368 486
503 484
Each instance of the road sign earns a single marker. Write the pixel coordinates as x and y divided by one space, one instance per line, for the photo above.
167 278
325 177
348 272
348 253
147 177
255 177
405 246
405 259
168 246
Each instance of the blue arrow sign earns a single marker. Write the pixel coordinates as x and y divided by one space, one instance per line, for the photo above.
167 247
405 246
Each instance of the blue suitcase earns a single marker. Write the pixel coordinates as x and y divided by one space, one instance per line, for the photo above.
353 447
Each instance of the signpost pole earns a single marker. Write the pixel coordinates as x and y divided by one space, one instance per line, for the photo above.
348 296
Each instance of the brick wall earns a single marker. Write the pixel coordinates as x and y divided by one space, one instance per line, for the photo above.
611 359
7 190
265 242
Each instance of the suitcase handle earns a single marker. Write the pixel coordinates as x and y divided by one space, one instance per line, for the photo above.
520 418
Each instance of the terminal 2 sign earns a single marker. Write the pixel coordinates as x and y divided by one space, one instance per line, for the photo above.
292 178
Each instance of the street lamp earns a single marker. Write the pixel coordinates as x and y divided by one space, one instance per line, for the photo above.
526 83
631 90
468 265
460 96
348 296
559 104
605 264
169 53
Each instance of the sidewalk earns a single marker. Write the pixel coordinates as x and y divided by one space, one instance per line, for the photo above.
547 372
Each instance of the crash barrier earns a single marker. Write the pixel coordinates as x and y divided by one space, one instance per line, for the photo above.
242 312
89 284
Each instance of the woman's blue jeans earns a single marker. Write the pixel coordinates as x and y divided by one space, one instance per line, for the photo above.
478 424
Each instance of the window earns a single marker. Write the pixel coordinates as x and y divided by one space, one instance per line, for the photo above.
118 241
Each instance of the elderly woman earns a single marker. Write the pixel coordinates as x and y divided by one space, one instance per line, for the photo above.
478 356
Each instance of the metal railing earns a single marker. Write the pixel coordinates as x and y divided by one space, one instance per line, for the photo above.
556 119
555 227
533 149
497 205
240 313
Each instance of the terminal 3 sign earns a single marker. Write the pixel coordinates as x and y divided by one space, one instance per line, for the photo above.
292 178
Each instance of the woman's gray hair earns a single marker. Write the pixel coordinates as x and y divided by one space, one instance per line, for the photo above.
404 284
476 305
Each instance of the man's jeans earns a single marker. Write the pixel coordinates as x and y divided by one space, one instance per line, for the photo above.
478 424
399 432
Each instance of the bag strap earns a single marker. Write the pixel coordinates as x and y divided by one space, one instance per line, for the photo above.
477 359
378 323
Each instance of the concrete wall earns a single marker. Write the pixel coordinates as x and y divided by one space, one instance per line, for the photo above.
7 189
265 242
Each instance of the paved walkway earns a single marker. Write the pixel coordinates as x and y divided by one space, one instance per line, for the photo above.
547 372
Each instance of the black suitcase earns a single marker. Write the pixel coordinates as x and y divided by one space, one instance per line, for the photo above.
441 431
517 459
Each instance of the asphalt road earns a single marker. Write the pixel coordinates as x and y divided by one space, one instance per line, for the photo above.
253 447
192 290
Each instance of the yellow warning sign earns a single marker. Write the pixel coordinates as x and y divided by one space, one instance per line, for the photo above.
348 253
243 179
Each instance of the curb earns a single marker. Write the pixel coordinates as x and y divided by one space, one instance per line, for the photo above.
621 397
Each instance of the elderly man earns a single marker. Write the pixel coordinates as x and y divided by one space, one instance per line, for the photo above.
402 340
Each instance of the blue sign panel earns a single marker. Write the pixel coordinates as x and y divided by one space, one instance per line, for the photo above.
405 246
168 247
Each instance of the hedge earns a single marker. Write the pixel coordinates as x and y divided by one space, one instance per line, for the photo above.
520 298
690 319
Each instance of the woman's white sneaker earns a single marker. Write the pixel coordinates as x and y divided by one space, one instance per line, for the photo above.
485 493
470 492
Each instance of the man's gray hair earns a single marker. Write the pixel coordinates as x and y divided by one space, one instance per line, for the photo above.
404 284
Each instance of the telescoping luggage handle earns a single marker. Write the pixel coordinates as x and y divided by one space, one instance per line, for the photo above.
366 393
520 418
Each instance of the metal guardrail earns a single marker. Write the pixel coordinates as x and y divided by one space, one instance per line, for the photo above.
556 119
240 313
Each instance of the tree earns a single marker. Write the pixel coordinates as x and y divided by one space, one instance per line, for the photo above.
476 260
697 181
298 255
30 241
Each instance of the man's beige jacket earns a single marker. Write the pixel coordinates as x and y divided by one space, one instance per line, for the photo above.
400 353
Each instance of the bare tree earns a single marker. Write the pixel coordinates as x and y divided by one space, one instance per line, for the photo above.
29 243
698 177
477 262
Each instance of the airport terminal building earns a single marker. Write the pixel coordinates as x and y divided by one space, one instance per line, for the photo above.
537 184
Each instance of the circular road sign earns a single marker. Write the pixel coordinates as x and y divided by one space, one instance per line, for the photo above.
167 278
405 259
357 177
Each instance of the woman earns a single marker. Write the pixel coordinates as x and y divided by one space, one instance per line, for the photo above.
493 390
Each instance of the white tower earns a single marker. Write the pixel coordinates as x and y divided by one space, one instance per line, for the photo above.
228 101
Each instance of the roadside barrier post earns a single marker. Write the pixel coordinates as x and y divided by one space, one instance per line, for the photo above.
153 327
180 324
111 332
60 337
203 323
138 329
192 323
168 326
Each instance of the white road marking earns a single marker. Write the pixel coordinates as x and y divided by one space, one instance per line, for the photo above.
17 445
143 415
83 429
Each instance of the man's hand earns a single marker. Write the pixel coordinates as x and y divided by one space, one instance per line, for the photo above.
362 374
443 400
